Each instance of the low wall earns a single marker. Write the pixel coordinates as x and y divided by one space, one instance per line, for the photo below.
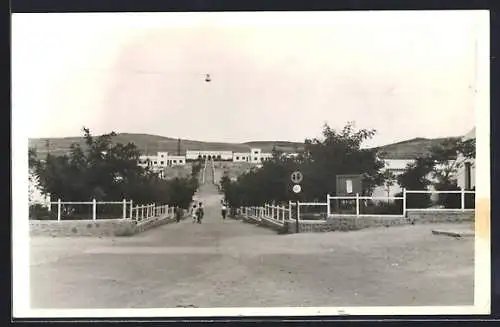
268 223
429 217
155 222
349 223
99 227
345 224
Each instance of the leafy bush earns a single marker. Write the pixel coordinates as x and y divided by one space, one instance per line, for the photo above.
449 200
383 208
39 212
470 200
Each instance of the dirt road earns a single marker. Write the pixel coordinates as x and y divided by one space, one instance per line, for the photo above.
233 264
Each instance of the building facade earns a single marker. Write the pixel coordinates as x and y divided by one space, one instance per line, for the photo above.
206 154
163 160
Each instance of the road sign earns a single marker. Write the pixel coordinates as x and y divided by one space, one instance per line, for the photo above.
296 188
296 177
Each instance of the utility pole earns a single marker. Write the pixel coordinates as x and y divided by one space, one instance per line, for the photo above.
178 146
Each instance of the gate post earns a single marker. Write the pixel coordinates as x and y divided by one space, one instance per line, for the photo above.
94 209
328 212
357 205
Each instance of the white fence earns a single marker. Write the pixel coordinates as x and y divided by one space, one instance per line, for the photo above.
356 206
93 210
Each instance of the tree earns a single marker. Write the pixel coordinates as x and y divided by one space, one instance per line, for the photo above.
449 157
320 162
108 172
338 153
389 181
416 177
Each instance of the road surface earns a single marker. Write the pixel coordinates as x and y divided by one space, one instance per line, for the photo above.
233 264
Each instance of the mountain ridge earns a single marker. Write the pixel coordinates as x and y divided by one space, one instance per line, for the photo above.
150 144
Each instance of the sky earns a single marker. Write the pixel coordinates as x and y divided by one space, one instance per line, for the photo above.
275 76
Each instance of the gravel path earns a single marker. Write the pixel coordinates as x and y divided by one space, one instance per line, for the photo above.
233 264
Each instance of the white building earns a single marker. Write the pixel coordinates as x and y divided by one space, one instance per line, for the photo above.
396 167
241 156
176 161
206 154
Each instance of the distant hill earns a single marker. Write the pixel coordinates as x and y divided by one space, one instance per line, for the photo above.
410 149
151 144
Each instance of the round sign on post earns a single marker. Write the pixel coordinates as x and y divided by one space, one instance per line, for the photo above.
296 188
296 177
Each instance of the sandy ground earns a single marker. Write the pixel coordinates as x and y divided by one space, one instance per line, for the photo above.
233 264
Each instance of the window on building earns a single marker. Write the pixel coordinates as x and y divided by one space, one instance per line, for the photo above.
154 162
162 155
256 152
161 162
237 158
175 161
255 159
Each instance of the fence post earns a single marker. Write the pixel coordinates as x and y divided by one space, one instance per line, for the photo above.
124 209
357 204
404 202
328 205
50 203
463 199
289 210
297 229
131 212
94 209
58 209
283 214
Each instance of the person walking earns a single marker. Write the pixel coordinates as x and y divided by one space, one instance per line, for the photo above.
200 212
178 214
194 213
223 210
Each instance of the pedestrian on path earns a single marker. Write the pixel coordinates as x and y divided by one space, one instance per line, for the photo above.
194 213
200 212
223 210
178 214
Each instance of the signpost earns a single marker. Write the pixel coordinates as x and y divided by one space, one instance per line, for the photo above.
296 188
296 178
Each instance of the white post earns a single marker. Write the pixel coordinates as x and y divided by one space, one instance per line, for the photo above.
298 210
131 212
50 203
124 209
357 204
328 212
290 210
283 214
404 202
58 209
463 199
142 212
94 209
